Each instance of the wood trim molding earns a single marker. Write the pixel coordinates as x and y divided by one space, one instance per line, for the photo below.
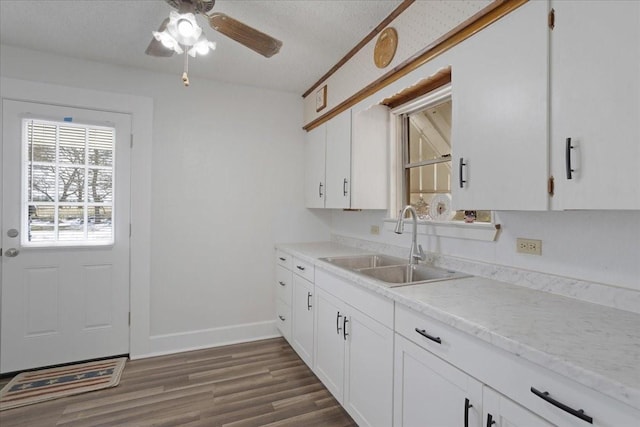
423 87
468 28
396 12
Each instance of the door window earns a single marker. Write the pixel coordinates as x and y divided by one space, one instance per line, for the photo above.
67 182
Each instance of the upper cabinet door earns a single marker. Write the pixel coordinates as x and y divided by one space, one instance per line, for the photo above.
315 185
595 104
500 114
338 166
369 158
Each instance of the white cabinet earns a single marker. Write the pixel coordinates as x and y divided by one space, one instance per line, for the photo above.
283 292
346 163
429 391
338 161
500 114
292 302
314 180
353 356
302 314
595 104
328 164
499 411
514 391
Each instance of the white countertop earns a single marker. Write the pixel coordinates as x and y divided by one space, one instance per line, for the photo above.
594 345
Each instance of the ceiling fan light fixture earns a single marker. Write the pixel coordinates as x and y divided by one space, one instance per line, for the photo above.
168 41
184 28
202 47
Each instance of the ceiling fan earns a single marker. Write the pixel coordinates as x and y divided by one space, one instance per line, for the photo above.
180 33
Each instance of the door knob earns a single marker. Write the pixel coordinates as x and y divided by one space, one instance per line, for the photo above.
11 252
12 233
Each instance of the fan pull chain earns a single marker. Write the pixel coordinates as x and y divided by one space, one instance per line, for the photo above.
185 77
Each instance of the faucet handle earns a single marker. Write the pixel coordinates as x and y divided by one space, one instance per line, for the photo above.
421 255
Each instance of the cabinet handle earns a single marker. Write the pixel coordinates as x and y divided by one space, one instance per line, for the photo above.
299 267
344 187
490 420
282 259
281 318
567 157
282 283
426 335
344 328
461 165
320 190
467 405
308 301
338 328
544 395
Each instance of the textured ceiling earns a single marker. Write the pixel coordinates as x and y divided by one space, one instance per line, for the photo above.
315 35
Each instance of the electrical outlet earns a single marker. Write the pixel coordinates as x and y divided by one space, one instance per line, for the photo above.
529 246
375 229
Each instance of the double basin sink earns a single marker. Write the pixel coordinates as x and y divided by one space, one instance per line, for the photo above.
393 271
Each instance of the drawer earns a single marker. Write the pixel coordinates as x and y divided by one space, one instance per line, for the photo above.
284 284
284 259
304 269
518 379
428 333
283 319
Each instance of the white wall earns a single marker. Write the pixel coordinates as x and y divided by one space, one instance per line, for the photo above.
226 186
596 246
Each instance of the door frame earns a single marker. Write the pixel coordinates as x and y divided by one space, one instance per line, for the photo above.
141 110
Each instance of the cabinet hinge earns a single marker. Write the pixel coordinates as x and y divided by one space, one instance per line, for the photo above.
551 19
550 186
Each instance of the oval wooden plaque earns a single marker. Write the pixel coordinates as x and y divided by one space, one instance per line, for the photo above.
385 47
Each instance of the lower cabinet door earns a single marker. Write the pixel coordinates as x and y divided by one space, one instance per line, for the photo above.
499 411
329 345
302 325
430 392
368 393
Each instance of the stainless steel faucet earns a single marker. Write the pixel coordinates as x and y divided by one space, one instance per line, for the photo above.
416 254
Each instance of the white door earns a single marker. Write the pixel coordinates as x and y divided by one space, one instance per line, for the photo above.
368 391
302 326
429 391
65 235
314 174
329 343
338 161
499 124
595 105
502 412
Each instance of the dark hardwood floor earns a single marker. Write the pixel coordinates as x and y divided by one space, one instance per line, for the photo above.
263 383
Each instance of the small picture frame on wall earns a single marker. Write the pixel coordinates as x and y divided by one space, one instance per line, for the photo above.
321 98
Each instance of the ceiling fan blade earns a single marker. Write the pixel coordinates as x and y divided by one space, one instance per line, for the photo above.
255 40
156 48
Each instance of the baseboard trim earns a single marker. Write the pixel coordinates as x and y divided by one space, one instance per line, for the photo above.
161 345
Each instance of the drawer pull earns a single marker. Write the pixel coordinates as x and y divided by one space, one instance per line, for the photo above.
576 413
282 318
282 283
282 259
299 267
426 335
467 405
